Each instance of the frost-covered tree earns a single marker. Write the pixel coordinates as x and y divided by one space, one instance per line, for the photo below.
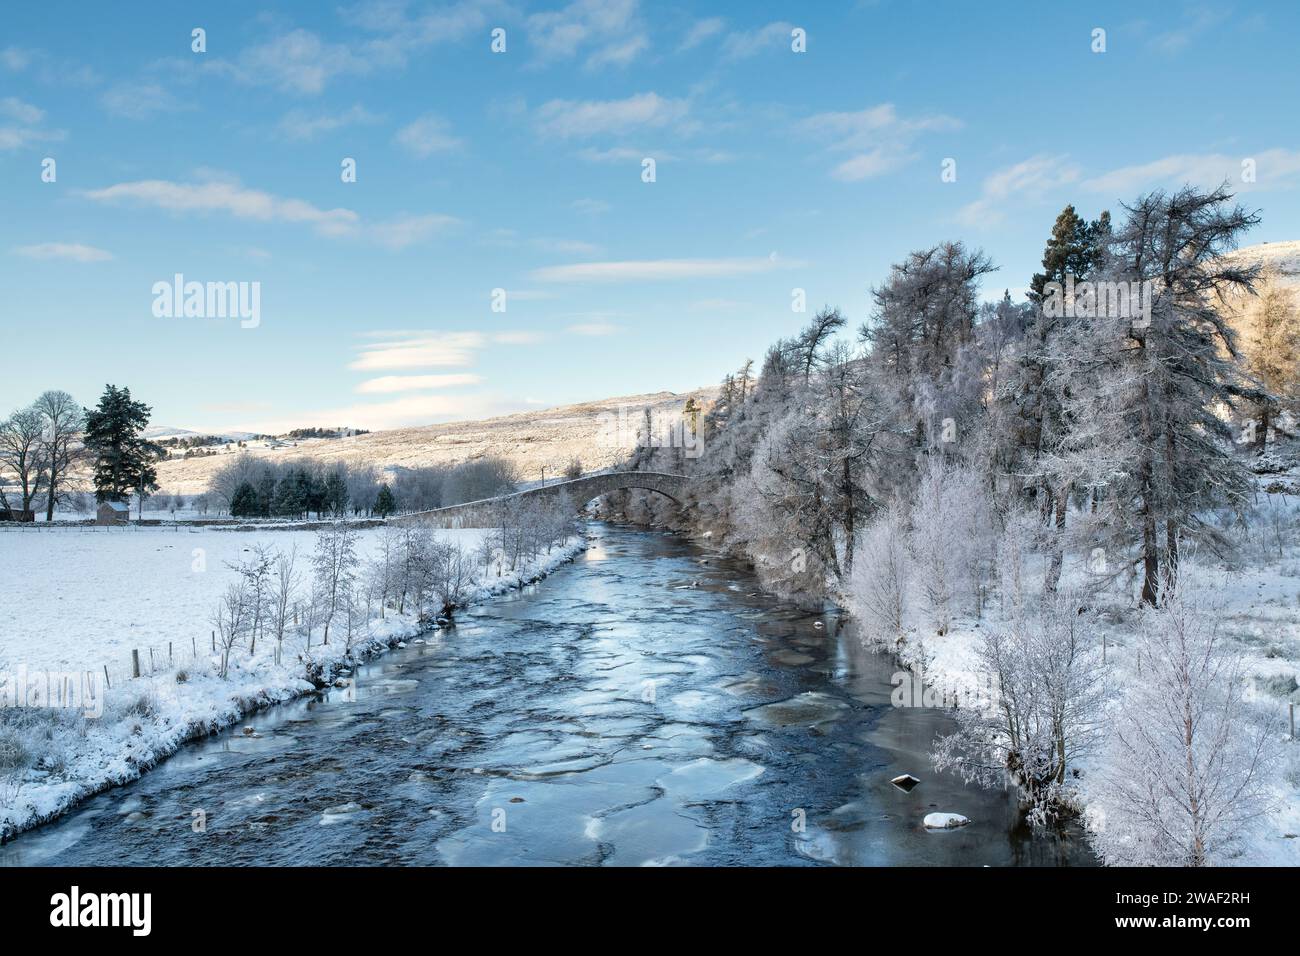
1187 760
879 590
1183 363
334 564
949 538
1046 711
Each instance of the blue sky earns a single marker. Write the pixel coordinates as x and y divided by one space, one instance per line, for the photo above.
522 171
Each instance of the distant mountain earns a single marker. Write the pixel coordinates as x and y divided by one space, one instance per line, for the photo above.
156 432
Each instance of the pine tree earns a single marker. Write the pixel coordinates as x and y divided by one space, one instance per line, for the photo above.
336 494
385 504
244 502
124 459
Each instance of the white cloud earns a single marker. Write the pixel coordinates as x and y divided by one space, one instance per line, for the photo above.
138 101
388 384
879 138
298 62
224 196
74 251
609 32
13 58
435 349
1274 168
299 125
700 31
656 270
15 109
593 329
591 207
427 135
405 350
746 43
581 118
1033 179
409 230
231 198
1197 21
22 129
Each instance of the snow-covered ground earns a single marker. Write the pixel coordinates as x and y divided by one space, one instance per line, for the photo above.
1257 596
90 596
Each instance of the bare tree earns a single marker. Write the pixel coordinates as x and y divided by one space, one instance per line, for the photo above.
335 565
22 454
229 621
64 421
283 587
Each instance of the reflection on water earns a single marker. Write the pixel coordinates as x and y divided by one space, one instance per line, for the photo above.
645 705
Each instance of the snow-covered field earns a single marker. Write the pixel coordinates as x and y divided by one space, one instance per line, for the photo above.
90 596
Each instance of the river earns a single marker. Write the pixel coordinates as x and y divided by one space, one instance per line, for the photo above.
646 704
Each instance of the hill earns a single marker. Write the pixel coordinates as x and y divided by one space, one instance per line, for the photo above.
550 438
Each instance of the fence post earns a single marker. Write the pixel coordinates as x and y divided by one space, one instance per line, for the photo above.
107 683
135 662
194 647
1293 721
169 652
214 642
151 661
1103 648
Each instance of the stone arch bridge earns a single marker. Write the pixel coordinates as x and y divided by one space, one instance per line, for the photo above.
487 512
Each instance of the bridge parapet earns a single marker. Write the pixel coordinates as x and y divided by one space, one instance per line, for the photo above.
486 513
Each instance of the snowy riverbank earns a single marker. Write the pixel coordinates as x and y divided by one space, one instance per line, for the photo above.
95 596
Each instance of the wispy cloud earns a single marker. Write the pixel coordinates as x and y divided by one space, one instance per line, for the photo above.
427 135
139 101
300 125
1274 169
407 350
742 44
389 384
1033 179
20 124
658 270
242 202
700 31
73 251
569 119
593 329
226 197
601 32
1196 21
878 137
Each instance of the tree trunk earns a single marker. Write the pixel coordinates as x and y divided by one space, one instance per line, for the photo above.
1062 498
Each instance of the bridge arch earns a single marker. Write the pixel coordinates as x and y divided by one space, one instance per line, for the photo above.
486 513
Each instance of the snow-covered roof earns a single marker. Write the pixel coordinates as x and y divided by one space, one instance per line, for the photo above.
118 505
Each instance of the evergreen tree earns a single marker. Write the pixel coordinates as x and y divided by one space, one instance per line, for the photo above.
244 502
336 494
124 459
290 496
385 504
265 494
